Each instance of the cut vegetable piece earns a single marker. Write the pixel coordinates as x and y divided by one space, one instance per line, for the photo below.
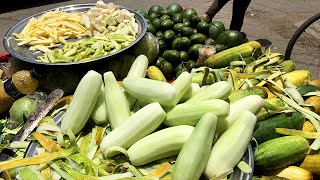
117 104
252 103
193 90
218 90
195 153
99 114
234 143
83 102
151 90
244 167
161 144
182 84
191 113
140 124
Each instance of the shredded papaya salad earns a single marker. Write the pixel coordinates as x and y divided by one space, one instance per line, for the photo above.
102 30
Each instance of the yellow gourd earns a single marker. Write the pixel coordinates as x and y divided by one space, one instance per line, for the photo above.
315 102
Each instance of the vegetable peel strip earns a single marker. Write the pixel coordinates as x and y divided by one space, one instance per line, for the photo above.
294 132
161 171
316 144
233 74
48 144
277 74
37 159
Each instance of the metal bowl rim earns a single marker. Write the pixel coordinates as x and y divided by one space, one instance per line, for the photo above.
65 8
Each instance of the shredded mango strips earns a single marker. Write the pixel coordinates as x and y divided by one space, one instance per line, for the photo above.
37 159
50 29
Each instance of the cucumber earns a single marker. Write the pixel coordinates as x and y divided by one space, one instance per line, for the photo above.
280 152
265 130
223 58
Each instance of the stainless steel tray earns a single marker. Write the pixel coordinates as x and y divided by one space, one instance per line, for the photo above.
23 53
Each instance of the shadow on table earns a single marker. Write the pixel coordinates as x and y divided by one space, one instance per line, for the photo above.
13 5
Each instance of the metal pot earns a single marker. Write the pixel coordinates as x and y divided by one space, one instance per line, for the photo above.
64 75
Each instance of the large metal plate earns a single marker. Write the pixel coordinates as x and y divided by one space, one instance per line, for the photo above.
23 53
248 158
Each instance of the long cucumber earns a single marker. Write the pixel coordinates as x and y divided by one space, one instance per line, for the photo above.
191 113
83 102
252 103
182 83
140 124
137 69
161 144
149 90
195 152
218 90
231 146
99 114
117 104
193 90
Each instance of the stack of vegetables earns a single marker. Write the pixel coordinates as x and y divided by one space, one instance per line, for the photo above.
197 126
143 128
287 129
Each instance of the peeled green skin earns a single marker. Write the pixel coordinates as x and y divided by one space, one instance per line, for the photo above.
21 109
